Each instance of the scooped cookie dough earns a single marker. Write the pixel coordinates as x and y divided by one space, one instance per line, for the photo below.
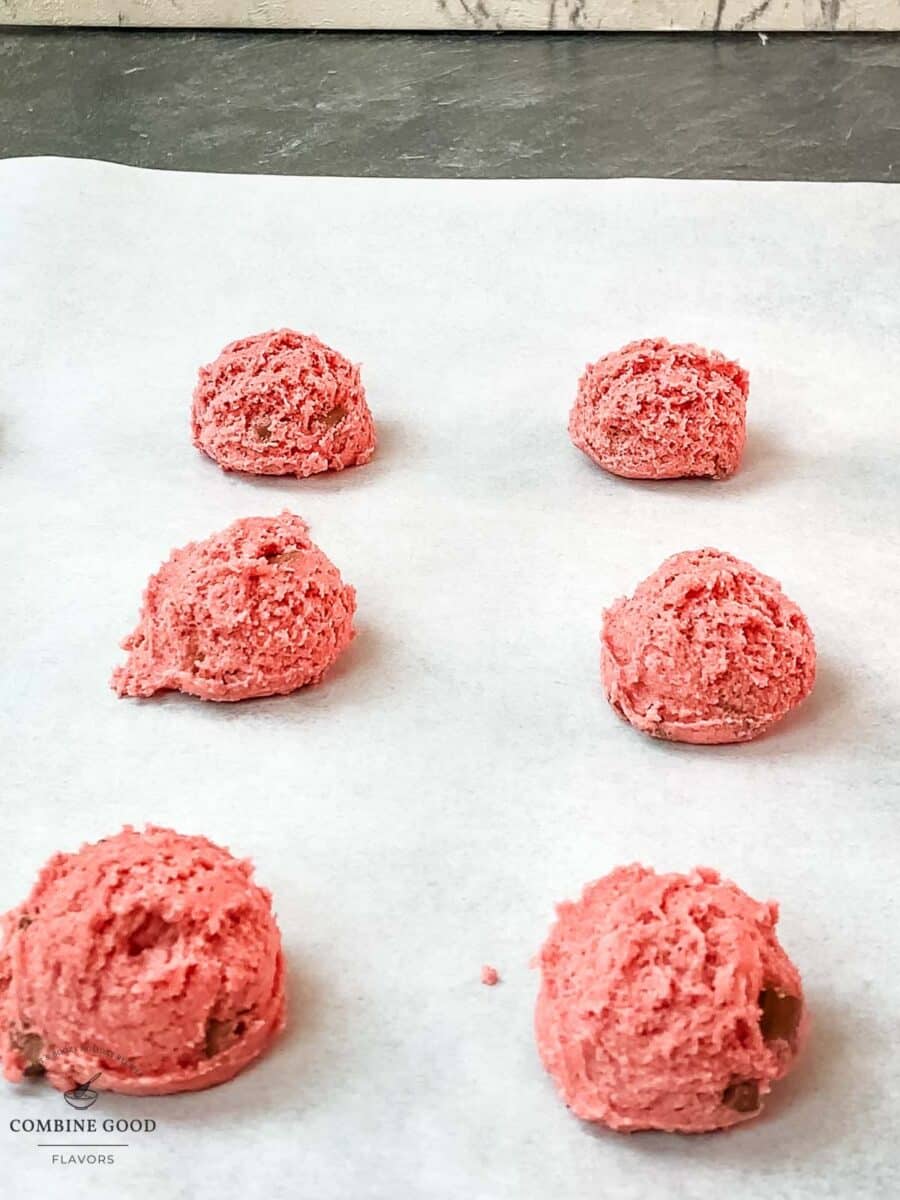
666 1002
282 403
708 649
654 410
256 610
148 962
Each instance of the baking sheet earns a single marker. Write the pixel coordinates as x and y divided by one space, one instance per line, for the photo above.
419 813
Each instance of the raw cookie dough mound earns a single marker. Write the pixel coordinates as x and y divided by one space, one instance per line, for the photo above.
282 403
656 411
708 649
666 1002
256 610
146 963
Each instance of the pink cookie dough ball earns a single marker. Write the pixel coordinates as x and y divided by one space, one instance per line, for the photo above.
653 410
666 1002
146 963
708 649
282 403
256 610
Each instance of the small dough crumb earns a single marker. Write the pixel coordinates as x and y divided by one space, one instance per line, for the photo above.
489 975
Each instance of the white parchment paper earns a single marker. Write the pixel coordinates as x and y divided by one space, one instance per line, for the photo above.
459 771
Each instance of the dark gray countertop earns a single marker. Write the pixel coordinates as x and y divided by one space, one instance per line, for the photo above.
806 106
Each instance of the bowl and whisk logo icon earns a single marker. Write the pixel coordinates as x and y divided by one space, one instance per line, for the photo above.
82 1095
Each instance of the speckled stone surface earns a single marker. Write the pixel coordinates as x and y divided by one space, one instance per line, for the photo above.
807 106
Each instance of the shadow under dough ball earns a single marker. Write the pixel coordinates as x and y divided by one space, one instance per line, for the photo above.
146 963
282 403
654 410
666 1002
707 650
